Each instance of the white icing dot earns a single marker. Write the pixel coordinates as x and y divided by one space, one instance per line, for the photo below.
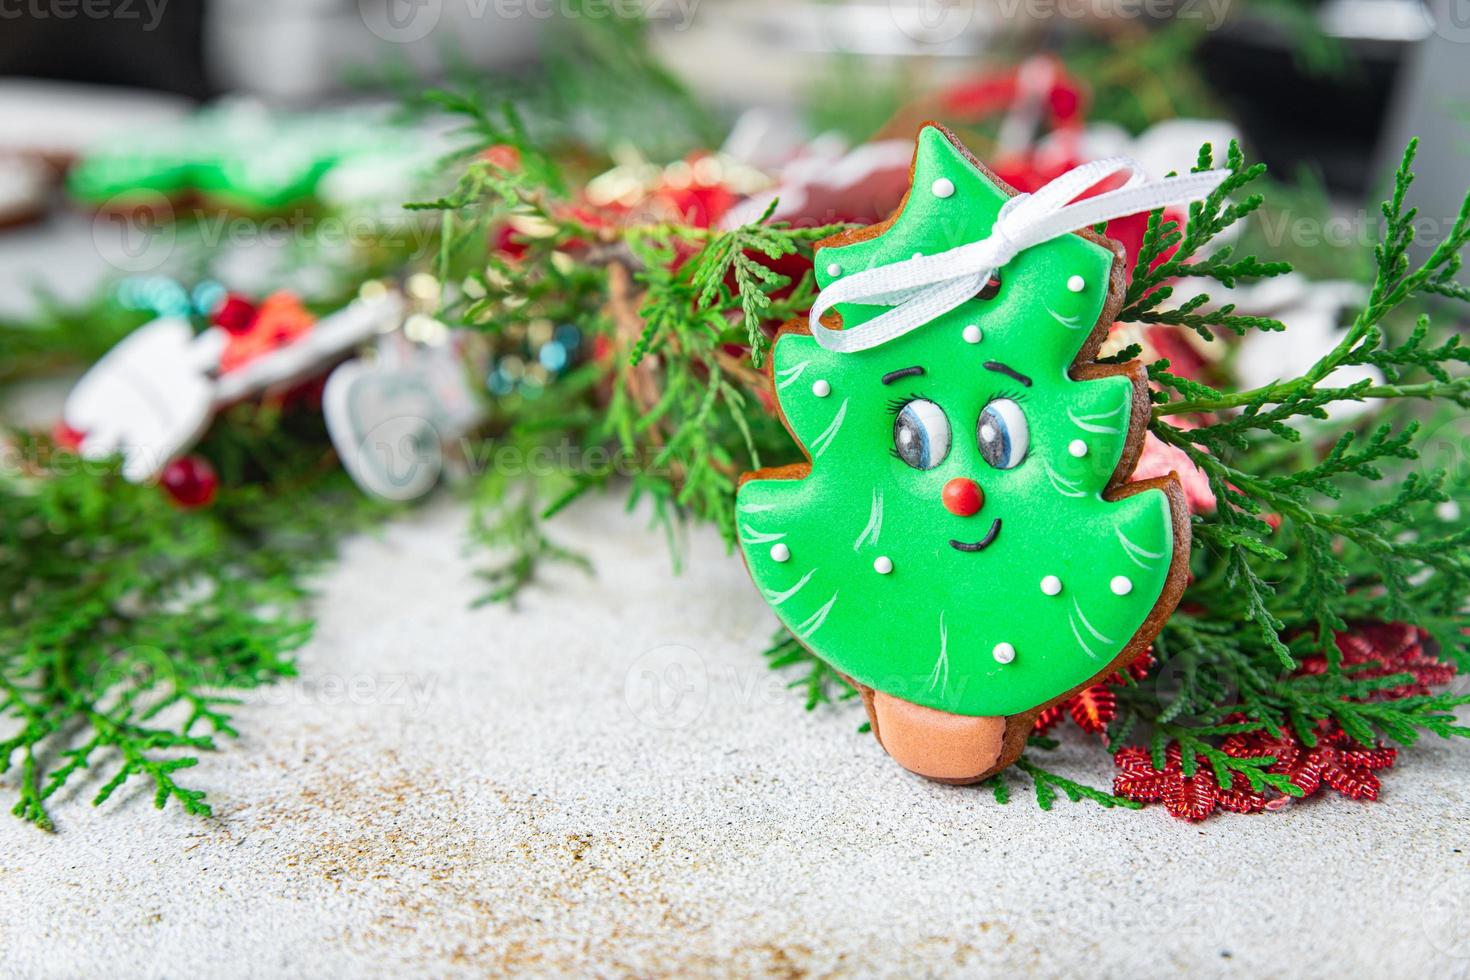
1076 284
918 255
943 187
1051 585
780 552
821 388
1004 653
972 334
834 269
883 565
1077 448
1120 585
987 432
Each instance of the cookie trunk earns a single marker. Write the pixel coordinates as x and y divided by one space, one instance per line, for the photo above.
940 746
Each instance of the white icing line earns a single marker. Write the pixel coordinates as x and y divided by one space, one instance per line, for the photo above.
788 376
1088 422
940 674
1081 642
776 598
1090 628
752 536
1070 322
1061 485
755 508
815 621
875 522
1133 551
824 441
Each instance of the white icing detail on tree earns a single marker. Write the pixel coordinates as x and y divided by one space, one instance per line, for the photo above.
776 598
940 674
752 536
1080 642
1070 322
1090 628
875 522
1060 484
824 441
788 376
1088 423
815 620
1136 553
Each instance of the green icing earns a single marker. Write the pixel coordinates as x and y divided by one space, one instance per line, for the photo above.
927 630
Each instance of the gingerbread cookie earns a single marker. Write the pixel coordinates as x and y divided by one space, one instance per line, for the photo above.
963 543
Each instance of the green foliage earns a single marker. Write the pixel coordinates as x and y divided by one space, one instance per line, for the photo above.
128 620
1357 531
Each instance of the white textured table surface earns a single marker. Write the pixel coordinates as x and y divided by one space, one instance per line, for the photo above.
459 791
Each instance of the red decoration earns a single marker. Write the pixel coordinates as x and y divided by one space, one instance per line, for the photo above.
282 320
962 497
66 437
236 315
1160 459
1186 797
1382 650
1336 760
1094 708
190 481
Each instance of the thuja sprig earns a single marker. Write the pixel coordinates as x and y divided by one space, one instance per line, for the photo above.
1169 254
127 621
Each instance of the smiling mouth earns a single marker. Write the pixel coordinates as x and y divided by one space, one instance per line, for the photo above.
980 545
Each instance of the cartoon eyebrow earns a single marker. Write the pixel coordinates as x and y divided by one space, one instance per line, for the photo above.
1000 368
907 372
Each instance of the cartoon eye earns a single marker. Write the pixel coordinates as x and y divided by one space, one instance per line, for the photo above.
991 287
921 434
1003 434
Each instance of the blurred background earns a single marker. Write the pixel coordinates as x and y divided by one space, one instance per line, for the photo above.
256 106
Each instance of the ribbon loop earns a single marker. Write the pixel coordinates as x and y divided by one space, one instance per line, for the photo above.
926 287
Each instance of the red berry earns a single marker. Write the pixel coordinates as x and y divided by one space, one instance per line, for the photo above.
66 437
963 496
190 481
236 314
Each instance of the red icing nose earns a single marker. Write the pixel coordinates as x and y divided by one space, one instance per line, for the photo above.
963 497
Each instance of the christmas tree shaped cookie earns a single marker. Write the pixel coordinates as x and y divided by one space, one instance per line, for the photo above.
964 544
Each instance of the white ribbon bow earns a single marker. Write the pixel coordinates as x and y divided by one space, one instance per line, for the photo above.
928 286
